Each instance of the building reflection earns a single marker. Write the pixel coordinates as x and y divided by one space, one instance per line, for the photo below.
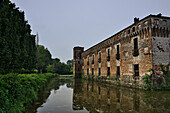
77 95
95 97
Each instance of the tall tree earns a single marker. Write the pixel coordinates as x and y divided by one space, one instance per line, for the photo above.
17 47
44 58
70 64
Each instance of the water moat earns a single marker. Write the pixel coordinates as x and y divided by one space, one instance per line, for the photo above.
68 95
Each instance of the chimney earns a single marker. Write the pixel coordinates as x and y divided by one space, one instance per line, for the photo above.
136 20
159 15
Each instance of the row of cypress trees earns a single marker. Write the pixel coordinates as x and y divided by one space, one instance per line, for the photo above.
17 44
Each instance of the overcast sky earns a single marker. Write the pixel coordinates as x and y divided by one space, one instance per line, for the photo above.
64 24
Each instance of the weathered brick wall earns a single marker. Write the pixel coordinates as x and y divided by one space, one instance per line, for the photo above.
125 41
77 61
152 50
160 43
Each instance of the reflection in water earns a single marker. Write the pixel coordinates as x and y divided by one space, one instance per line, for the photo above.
77 102
111 99
65 95
56 97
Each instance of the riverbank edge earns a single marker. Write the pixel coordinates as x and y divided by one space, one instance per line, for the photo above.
19 90
116 81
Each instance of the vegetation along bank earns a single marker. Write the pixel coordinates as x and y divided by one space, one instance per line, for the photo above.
19 90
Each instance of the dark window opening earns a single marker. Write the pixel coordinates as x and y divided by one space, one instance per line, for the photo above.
167 33
79 55
92 62
88 60
108 58
78 62
135 50
99 73
153 33
87 71
108 55
93 59
78 69
129 31
92 71
133 29
136 69
108 71
99 57
108 52
118 71
118 53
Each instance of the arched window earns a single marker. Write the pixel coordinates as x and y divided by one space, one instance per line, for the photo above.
88 60
108 54
93 59
99 60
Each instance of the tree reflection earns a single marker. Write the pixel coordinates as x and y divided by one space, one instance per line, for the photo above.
53 84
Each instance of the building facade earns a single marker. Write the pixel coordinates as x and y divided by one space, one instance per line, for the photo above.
128 54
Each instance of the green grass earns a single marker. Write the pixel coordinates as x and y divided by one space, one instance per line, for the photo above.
66 75
19 90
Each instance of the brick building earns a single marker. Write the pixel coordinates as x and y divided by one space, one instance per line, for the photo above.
128 54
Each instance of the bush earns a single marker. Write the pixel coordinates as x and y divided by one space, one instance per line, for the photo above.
18 90
147 82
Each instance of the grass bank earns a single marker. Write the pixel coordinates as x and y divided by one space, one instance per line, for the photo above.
18 90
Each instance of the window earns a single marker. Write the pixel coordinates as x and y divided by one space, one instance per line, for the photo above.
92 71
108 55
118 71
108 71
78 69
117 54
136 69
167 32
88 71
133 29
92 59
99 71
135 50
99 57
108 52
135 43
129 31
87 60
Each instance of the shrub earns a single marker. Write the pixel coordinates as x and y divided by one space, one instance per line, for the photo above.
147 82
18 90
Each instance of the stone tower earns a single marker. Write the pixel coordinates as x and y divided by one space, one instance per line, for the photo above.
77 59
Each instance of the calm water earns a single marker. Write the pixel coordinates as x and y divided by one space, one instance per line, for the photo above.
65 95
